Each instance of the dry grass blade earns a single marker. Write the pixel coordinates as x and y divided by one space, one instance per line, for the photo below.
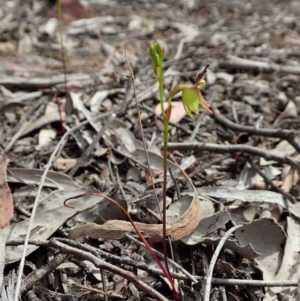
36 202
142 135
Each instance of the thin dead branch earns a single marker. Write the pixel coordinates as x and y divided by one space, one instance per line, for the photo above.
287 135
44 270
268 181
109 267
250 65
220 281
40 83
214 260
241 148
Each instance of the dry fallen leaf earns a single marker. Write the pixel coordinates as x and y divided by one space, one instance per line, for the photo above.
267 238
64 164
155 173
124 142
6 201
242 213
46 137
260 198
178 111
283 148
42 121
275 210
115 229
51 214
264 186
246 251
206 226
32 176
290 263
289 111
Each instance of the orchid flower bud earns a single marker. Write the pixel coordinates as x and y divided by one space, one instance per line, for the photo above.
156 53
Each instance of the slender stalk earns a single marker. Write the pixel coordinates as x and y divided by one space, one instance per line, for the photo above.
192 98
161 92
142 135
62 51
191 105
165 155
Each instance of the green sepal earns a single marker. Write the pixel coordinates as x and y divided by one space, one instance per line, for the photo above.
176 90
190 99
202 84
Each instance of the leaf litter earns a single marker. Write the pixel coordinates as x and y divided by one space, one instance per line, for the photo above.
252 79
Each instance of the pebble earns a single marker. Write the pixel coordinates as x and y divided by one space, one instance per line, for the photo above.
107 104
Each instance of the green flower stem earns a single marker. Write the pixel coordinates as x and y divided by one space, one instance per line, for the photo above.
161 92
156 53
165 155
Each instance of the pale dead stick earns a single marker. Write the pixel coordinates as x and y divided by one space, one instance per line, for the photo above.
109 59
36 201
142 132
98 291
214 260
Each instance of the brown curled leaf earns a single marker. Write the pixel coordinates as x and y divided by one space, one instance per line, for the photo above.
115 229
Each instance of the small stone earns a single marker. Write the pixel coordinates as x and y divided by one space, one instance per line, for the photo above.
225 76
282 99
144 116
109 30
297 101
107 104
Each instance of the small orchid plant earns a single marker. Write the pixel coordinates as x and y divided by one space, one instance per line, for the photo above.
192 98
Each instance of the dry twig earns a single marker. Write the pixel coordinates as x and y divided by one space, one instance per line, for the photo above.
109 267
250 65
199 146
219 281
44 270
214 260
268 181
287 135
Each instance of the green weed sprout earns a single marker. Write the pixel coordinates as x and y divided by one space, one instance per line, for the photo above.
192 98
